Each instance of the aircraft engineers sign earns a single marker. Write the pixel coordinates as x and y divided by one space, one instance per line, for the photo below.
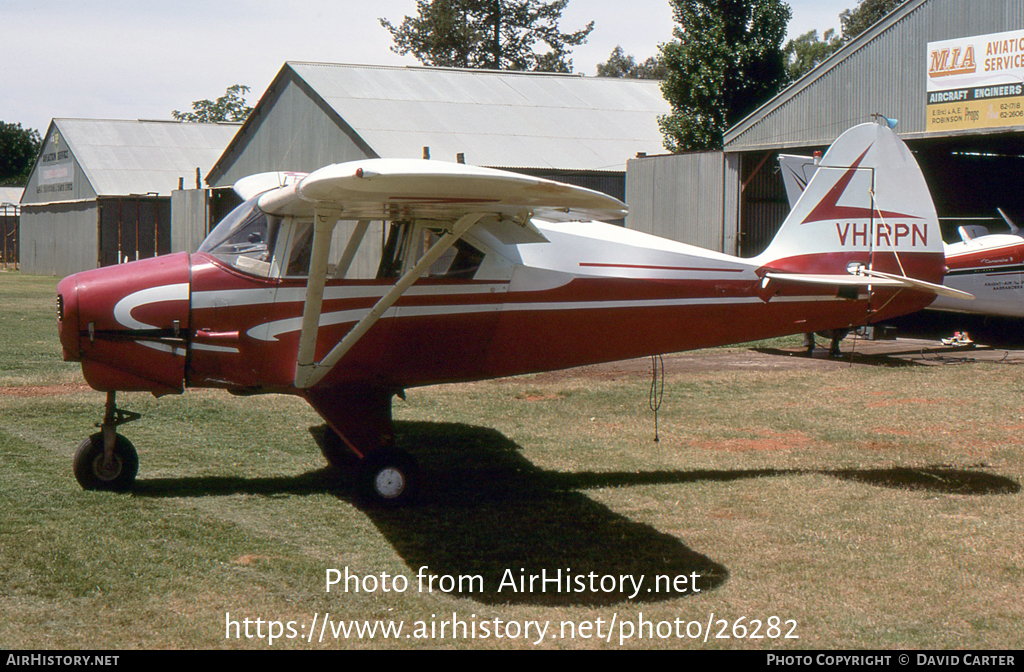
976 82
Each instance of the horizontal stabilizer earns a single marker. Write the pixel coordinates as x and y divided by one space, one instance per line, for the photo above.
863 277
940 290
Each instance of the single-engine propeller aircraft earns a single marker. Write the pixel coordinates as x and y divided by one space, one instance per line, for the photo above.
481 274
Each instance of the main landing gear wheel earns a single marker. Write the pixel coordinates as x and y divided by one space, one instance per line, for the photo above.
94 472
388 478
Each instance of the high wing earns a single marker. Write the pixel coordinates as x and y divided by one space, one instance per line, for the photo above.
414 189
454 198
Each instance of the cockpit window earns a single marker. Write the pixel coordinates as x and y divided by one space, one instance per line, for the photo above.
245 238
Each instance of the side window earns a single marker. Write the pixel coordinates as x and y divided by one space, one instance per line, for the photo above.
406 244
301 250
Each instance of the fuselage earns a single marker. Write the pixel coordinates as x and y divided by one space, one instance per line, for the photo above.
594 293
990 267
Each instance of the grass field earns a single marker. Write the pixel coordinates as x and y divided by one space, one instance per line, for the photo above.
860 506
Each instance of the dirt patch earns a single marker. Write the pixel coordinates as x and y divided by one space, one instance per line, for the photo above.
43 390
249 559
904 400
763 442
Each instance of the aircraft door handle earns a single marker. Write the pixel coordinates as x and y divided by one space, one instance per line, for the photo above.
220 336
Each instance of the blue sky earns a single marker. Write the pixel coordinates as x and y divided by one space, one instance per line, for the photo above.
124 59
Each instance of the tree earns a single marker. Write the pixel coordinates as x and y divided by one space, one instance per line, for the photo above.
807 51
18 149
229 107
864 15
724 61
621 64
492 34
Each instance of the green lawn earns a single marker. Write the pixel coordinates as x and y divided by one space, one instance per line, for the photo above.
853 507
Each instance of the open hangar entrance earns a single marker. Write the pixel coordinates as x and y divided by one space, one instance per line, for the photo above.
971 177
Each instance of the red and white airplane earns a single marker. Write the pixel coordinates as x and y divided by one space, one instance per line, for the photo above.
479 274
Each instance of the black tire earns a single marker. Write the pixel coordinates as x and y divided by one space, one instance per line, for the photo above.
92 474
388 478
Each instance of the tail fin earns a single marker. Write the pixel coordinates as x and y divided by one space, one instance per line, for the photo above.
867 204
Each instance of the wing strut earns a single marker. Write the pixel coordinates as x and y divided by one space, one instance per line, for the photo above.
307 372
324 222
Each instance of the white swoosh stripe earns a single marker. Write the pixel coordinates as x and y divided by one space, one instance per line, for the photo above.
123 309
271 331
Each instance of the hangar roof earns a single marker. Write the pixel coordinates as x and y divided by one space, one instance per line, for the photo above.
495 118
125 157
10 195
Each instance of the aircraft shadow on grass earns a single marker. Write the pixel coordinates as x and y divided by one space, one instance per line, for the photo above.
848 356
484 510
904 358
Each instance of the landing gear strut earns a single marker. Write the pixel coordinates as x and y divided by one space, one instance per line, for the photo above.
363 438
106 460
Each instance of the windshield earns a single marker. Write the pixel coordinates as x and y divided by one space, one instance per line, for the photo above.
245 235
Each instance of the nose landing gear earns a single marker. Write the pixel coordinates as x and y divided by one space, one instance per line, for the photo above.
106 460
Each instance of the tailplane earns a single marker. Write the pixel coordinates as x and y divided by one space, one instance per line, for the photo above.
865 220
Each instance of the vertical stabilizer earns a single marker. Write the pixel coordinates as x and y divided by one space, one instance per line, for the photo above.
866 203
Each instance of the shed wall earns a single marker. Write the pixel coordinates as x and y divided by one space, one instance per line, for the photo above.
57 175
189 219
60 238
679 197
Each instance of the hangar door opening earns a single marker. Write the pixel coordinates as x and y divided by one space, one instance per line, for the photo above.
133 227
763 202
9 224
971 178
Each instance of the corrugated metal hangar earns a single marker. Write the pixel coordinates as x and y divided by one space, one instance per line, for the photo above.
949 71
571 128
100 191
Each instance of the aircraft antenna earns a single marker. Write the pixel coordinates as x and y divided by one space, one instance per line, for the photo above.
657 388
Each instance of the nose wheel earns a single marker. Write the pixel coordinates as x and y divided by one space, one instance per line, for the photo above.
95 471
106 460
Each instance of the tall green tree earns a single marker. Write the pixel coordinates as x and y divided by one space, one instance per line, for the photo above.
229 107
18 149
621 64
805 52
867 13
724 61
491 34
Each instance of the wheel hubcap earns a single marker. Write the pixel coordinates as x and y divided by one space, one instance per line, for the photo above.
107 471
389 482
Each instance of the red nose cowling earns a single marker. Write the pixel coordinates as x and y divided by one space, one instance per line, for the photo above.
128 323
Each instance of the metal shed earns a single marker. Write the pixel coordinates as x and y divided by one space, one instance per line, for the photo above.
100 190
892 69
571 128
